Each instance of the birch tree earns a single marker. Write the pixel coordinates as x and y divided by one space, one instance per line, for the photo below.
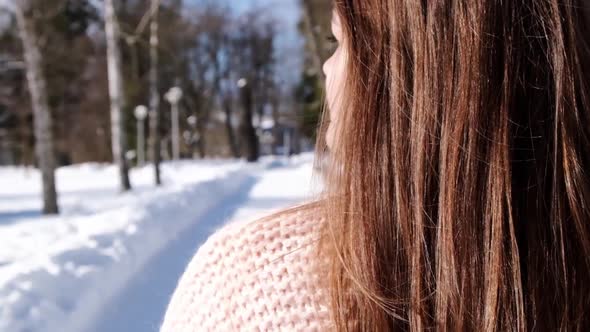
155 113
44 145
117 96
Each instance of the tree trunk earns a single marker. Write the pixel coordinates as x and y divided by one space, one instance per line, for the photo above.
248 131
229 128
202 142
227 107
155 113
118 138
44 145
275 102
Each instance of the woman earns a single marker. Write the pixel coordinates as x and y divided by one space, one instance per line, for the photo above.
458 195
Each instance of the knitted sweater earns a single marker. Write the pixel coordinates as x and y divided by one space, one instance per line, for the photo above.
254 276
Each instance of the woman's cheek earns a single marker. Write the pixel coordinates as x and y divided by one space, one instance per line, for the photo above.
334 70
331 69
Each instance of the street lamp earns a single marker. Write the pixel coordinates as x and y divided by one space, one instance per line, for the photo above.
173 96
242 82
141 113
192 121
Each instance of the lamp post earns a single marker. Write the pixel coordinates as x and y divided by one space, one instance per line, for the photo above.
141 113
173 96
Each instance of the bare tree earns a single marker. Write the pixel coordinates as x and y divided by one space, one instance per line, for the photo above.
44 145
215 24
155 113
227 102
254 57
118 134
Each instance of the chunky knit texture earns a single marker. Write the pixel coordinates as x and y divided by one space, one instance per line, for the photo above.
255 276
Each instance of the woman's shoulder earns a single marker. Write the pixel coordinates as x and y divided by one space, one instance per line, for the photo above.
251 246
277 234
246 272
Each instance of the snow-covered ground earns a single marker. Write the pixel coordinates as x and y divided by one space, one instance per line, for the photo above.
110 261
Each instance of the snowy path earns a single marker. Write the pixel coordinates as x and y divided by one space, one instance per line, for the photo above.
141 305
110 261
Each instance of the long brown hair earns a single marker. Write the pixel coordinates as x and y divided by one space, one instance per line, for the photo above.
458 194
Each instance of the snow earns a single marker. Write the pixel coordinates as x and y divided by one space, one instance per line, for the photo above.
110 261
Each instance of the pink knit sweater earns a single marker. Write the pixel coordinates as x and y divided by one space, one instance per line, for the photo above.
254 276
